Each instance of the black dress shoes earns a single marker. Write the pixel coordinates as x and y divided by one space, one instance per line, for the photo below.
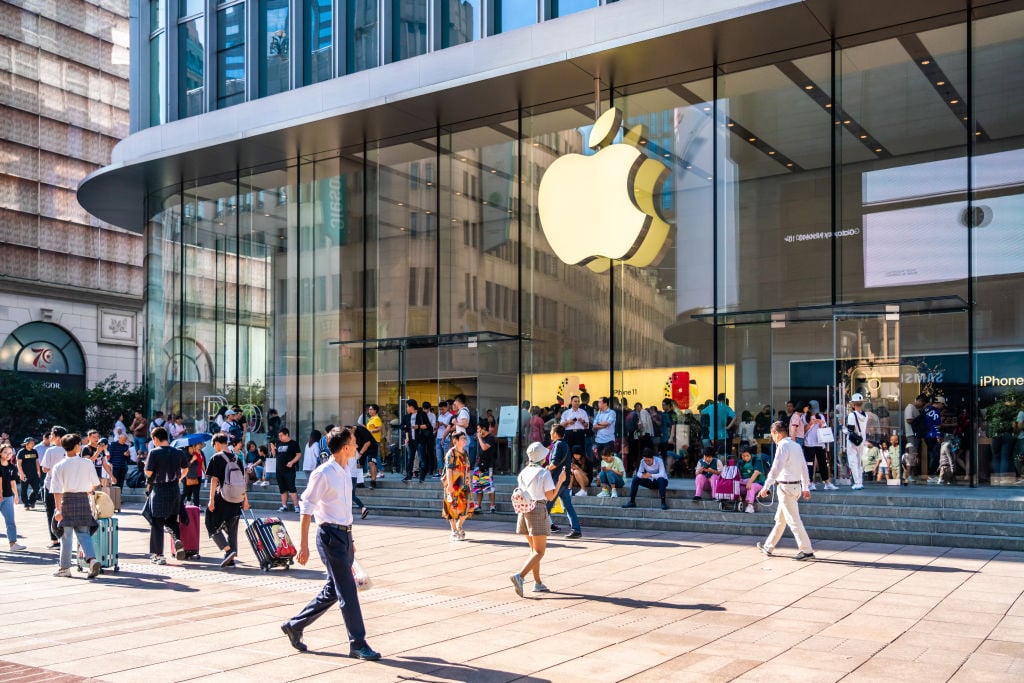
294 636
365 652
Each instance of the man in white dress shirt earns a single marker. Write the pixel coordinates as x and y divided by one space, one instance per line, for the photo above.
789 472
576 423
328 497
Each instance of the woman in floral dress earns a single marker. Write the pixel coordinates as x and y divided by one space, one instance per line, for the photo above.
455 507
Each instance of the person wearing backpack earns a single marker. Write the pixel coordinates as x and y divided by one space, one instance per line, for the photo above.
535 486
165 467
227 498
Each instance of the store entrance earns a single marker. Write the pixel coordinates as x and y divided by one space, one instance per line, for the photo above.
889 352
483 366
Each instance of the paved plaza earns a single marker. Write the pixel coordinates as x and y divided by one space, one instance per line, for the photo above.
625 605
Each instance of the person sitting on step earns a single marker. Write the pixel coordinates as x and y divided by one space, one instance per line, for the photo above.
709 467
612 472
651 475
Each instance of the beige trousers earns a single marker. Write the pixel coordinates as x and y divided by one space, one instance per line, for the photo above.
788 513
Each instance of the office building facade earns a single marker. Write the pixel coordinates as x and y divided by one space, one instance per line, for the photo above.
351 202
71 286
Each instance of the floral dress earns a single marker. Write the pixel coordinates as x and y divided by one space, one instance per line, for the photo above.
456 490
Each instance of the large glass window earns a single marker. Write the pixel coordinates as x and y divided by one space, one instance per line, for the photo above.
186 8
460 21
157 79
409 22
561 8
318 58
363 44
512 14
231 55
275 43
156 14
191 63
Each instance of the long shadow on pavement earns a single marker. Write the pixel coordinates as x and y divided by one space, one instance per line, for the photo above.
610 541
631 603
442 668
908 567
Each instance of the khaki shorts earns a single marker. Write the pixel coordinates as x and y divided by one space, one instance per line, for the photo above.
536 522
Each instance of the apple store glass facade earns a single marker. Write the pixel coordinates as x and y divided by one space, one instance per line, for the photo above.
846 218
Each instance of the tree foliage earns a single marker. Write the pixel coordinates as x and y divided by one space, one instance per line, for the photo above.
27 407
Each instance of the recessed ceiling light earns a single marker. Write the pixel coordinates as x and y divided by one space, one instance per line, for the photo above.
709 177
688 168
863 137
731 125
455 220
978 133
878 149
667 155
808 87
771 153
429 212
751 139
789 165
828 105
954 101
941 83
707 108
847 122
458 194
925 62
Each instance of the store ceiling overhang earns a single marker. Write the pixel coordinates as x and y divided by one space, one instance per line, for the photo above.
629 42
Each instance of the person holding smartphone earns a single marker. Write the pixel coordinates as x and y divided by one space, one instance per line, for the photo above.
576 423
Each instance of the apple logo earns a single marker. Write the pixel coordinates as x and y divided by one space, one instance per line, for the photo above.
599 208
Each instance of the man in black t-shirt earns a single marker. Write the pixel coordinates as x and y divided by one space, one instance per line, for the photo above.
28 472
366 448
165 467
288 455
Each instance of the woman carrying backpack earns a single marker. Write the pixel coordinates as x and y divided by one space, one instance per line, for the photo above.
534 486
227 498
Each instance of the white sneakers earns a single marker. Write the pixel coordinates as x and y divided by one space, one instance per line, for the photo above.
581 492
829 486
750 508
615 493
857 487
603 494
17 546
813 487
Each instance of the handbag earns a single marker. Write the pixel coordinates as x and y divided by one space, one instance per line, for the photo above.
557 508
826 436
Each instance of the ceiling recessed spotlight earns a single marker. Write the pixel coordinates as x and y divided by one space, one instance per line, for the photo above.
771 153
493 170
863 137
926 62
667 155
941 83
400 204
455 220
789 165
429 212
731 125
751 139
458 194
978 133
954 101
707 108
828 105
536 144
808 87
688 168
709 177
878 149
847 122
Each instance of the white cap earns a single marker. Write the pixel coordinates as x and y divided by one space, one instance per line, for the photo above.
536 452
857 398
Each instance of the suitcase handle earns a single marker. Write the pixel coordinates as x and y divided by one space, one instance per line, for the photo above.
250 519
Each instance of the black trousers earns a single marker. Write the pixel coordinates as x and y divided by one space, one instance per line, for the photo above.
660 483
51 507
190 492
156 533
335 548
227 535
576 437
34 483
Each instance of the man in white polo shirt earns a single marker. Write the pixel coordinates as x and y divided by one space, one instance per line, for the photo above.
789 473
576 423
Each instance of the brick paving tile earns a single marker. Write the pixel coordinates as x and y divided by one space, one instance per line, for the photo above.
637 606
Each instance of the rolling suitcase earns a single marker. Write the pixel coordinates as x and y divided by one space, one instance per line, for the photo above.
189 533
726 488
104 543
269 540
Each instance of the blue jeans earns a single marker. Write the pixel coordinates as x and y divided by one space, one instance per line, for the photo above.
7 510
609 478
140 445
84 540
565 495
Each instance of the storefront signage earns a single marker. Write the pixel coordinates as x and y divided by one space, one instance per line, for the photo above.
604 206
333 210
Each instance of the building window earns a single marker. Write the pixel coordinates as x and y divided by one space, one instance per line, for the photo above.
231 55
363 44
412 286
512 14
191 64
318 57
460 21
157 79
561 8
409 36
275 43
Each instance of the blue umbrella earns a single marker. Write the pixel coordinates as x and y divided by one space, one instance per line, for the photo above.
191 440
